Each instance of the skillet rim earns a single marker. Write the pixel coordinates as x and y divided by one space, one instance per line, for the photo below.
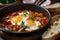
31 31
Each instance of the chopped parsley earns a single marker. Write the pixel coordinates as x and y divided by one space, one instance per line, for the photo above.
38 16
25 14
3 20
16 24
23 26
32 18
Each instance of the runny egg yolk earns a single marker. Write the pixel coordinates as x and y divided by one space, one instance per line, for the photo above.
17 19
30 23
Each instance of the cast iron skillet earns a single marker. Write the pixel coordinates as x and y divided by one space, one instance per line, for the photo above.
16 7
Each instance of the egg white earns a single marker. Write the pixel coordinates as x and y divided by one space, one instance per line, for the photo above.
34 27
23 19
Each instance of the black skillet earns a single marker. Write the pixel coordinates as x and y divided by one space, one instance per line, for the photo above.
16 7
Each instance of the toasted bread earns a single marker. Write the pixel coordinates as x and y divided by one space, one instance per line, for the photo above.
54 31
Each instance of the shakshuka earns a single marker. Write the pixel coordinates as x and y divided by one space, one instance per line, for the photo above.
23 21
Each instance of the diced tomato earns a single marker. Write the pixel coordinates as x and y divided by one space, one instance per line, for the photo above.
28 18
13 14
43 20
10 26
14 29
35 14
41 14
18 27
8 23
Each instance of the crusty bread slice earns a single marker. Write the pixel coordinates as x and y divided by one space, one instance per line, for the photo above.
56 5
54 31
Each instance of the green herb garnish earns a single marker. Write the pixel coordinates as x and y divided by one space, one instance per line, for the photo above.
32 18
24 27
38 16
3 20
22 24
16 24
25 14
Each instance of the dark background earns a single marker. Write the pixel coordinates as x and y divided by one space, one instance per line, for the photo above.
55 1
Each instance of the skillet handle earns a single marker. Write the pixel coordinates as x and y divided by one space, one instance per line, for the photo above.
39 2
